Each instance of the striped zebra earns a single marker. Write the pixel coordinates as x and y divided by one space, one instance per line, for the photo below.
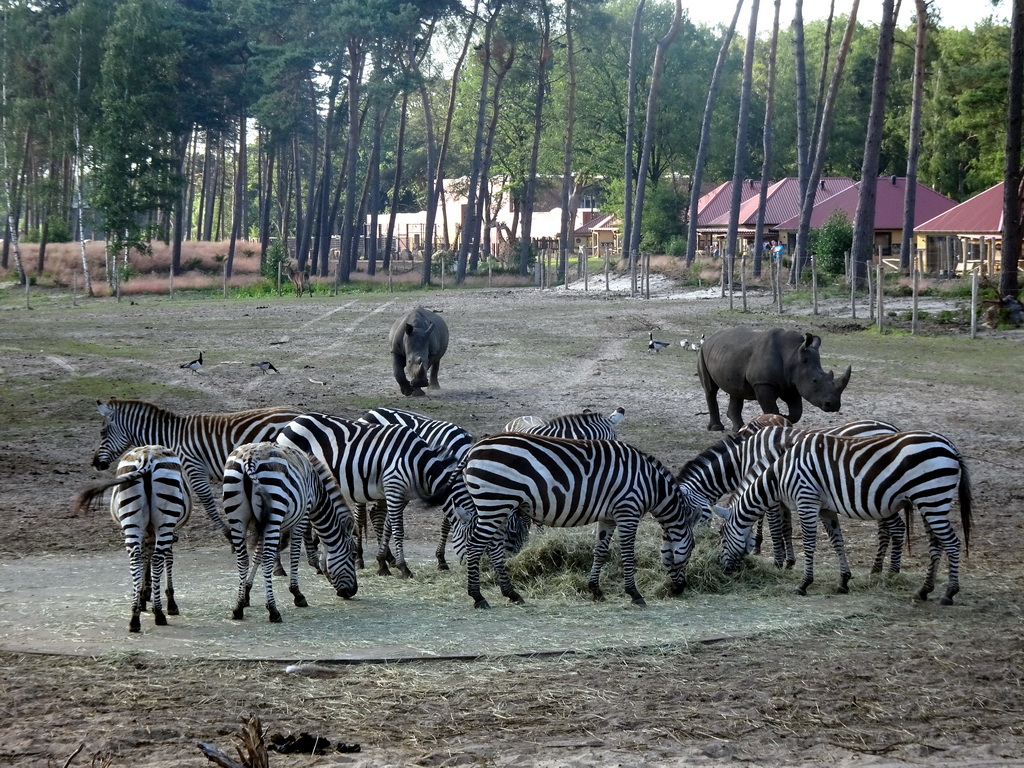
761 448
375 462
575 426
150 502
566 483
442 435
202 440
861 477
277 492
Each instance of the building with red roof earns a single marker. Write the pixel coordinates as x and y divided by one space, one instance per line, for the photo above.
968 236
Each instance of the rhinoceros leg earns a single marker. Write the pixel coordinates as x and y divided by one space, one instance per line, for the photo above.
795 405
398 365
735 412
434 366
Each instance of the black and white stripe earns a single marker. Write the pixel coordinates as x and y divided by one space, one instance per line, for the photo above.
442 435
575 426
202 440
276 492
375 462
861 477
150 502
566 483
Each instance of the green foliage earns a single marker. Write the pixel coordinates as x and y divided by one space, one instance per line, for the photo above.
832 242
276 255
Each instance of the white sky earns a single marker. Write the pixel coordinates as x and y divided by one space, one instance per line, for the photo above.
955 13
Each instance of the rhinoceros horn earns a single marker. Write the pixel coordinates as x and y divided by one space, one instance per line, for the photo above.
843 380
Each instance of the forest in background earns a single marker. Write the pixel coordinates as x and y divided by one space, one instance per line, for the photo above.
186 120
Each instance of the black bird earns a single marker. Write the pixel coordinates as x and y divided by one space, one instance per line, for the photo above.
195 365
265 366
655 346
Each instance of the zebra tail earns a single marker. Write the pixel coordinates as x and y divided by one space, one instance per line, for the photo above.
266 503
88 499
908 518
966 497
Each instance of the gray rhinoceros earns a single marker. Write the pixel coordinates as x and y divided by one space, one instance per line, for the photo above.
766 366
418 341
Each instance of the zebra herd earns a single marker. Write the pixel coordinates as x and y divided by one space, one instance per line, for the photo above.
291 477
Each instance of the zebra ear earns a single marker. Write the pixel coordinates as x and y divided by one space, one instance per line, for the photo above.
103 408
617 415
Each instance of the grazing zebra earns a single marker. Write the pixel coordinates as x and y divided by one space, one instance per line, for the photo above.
374 462
442 435
566 483
150 503
202 440
862 477
761 448
278 491
710 475
581 426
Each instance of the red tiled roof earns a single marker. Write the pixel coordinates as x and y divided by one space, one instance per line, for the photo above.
718 201
782 201
982 214
889 196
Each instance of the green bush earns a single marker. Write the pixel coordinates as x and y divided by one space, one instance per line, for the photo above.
276 255
832 242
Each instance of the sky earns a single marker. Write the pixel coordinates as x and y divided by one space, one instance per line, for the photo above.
955 13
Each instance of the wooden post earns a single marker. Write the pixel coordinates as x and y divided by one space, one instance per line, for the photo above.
391 274
170 283
74 287
974 304
224 278
606 283
647 276
279 279
915 274
743 281
853 285
814 282
871 291
880 282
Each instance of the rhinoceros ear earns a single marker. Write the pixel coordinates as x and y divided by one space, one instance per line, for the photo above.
843 380
811 341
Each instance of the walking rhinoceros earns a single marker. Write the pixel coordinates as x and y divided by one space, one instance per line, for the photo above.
418 341
766 366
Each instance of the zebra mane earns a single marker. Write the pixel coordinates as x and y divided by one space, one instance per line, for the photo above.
708 458
118 405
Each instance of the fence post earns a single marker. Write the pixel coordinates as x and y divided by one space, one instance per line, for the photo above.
914 282
74 287
974 304
880 282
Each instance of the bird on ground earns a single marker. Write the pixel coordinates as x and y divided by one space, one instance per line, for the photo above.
684 343
265 366
655 346
195 365
696 345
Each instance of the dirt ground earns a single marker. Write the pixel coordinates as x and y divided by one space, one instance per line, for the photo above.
898 683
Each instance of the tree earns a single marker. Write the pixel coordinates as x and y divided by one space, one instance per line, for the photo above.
769 118
864 221
914 141
1012 189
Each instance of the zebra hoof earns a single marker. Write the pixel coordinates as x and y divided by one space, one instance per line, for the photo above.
597 594
135 625
946 600
922 594
790 564
160 619
404 572
300 601
515 598
238 614
275 617
876 569
172 610
482 604
802 591
442 565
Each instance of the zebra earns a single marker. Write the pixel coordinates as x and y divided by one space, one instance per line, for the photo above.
279 491
761 447
202 440
150 502
862 477
374 462
442 435
566 483
575 426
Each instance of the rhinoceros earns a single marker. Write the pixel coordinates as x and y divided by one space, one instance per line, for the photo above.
766 366
418 341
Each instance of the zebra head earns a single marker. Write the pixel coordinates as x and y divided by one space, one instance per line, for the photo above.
737 540
440 472
114 438
340 567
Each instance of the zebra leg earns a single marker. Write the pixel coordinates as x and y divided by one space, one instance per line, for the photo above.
941 537
278 565
935 552
395 523
777 522
496 553
136 563
446 527
605 531
156 568
269 549
244 583
298 533
172 607
627 545
147 560
835 535
809 530
312 544
759 536
897 535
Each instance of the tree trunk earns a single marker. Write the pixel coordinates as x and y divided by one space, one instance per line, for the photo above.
240 179
821 139
356 56
769 115
739 159
530 192
864 221
396 187
629 180
705 135
1009 284
914 141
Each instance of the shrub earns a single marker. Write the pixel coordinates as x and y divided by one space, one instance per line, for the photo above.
831 243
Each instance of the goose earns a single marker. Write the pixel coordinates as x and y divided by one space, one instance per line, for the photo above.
655 346
195 365
265 366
